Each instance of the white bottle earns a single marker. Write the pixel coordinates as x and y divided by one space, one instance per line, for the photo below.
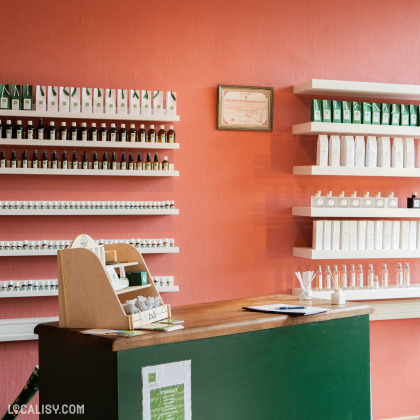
384 276
354 201
352 277
379 202
342 200
336 277
330 201
328 276
318 279
400 275
392 201
360 277
344 280
370 277
367 201
371 152
406 275
317 200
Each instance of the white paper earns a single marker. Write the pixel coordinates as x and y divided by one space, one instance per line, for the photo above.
167 391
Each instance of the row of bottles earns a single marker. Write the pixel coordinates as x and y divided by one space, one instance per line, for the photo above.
353 279
74 163
18 131
28 285
354 201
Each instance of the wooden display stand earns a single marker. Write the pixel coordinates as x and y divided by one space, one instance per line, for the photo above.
85 294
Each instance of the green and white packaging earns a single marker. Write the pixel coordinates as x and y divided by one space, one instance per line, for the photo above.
74 99
395 114
134 104
405 115
326 110
386 114
146 102
87 100
110 101
346 112
98 101
336 111
64 99
376 113
27 97
15 99
4 96
157 102
171 103
367 113
413 109
316 110
41 98
52 98
357 112
122 101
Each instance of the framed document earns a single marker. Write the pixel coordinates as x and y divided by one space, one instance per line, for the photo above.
247 108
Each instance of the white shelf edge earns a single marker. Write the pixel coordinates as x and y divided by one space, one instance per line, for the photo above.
89 116
85 212
354 212
31 293
357 89
88 144
21 328
88 172
313 254
164 289
353 171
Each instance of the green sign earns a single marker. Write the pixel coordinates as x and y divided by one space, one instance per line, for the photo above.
167 403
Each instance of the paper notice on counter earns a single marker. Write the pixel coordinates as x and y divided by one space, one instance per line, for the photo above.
167 391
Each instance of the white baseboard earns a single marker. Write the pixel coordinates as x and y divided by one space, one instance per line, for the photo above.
21 328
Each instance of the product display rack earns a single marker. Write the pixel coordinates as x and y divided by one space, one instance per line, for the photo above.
334 212
87 172
90 212
354 171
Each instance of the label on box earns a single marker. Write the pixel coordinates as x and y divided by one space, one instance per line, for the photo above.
122 100
87 100
52 98
146 102
110 101
64 99
134 105
75 99
98 101
158 102
171 103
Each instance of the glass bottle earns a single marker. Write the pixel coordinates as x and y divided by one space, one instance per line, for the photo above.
54 161
162 134
151 134
367 201
384 276
113 133
103 133
330 201
35 159
400 275
85 162
342 200
352 277
379 201
83 132
1 130
156 163
122 134
73 131
18 130
63 132
13 160
132 134
392 201
2 159
64 161
318 278
123 164
139 165
336 277
24 160
328 277
95 162
148 163
51 131
105 161
45 160
370 276
142 134
30 131
165 164
75 162
130 162
375 282
355 201
40 130
171 134
407 279
8 130
93 133
113 162
344 280
317 200
360 284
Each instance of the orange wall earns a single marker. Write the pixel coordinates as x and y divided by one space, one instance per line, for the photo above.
236 189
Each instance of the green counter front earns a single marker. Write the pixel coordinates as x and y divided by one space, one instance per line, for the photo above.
244 365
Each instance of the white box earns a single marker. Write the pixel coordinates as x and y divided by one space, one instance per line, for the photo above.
52 98
408 154
87 100
370 234
335 235
157 102
74 99
317 234
347 151
371 152
396 229
64 99
353 234
418 234
122 101
134 105
397 153
41 98
171 103
326 244
110 101
359 151
334 151
146 102
412 241
361 234
387 235
322 150
405 234
345 235
379 228
98 101
384 152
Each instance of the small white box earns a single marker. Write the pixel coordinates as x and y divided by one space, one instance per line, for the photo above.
317 234
146 102
396 229
87 100
347 151
353 234
134 105
64 99
41 98
384 152
397 153
327 235
98 100
370 234
334 151
74 99
359 151
157 102
122 101
52 98
361 234
408 158
322 150
418 234
110 101
379 228
335 235
405 234
345 235
412 241
371 152
171 103
387 235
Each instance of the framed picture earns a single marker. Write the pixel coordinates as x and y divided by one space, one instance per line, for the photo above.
247 108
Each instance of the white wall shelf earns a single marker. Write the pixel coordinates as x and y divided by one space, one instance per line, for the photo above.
21 328
317 87
89 212
164 289
88 172
315 128
355 212
88 116
352 171
29 293
315 254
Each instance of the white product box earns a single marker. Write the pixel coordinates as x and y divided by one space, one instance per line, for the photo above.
384 152
146 102
87 100
157 102
379 228
110 101
64 99
371 152
396 229
74 99
171 103
412 241
418 234
370 234
322 150
134 104
327 235
52 98
408 154
405 234
335 235
98 100
345 235
359 151
387 235
122 101
361 234
347 151
41 98
334 151
353 234
317 234
397 153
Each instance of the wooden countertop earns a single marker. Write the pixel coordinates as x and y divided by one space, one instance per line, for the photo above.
212 319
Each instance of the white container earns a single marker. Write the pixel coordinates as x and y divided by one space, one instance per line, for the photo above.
387 235
64 99
146 102
98 101
384 152
171 103
347 151
110 101
122 101
345 235
370 234
327 242
330 201
379 228
317 234
397 153
74 99
371 152
335 234
396 234
359 151
334 151
361 234
405 234
338 297
412 241
134 104
342 201
353 234
322 151
408 158
87 95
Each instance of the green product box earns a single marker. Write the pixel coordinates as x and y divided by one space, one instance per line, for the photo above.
326 110
27 97
405 115
357 112
4 96
367 113
346 112
336 111
413 109
385 114
137 279
376 113
395 114
15 101
316 110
